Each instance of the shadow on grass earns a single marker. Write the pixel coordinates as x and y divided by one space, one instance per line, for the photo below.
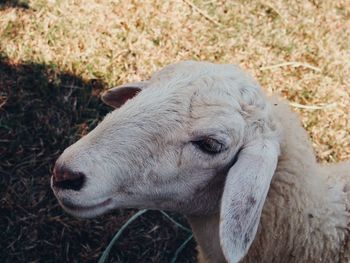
14 3
42 111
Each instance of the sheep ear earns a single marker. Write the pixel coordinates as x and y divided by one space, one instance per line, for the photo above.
117 96
245 191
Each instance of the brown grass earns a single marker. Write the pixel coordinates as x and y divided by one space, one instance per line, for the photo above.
299 50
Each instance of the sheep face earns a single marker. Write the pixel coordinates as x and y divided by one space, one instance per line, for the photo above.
159 150
173 146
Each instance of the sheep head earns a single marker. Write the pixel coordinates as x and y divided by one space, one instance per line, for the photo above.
196 138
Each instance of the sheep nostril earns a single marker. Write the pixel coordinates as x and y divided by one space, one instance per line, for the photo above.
66 179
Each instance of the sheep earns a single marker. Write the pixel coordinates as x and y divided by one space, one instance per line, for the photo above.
203 140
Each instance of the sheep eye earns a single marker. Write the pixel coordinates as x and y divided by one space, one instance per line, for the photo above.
209 145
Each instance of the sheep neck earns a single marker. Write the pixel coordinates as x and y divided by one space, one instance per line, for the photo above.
291 228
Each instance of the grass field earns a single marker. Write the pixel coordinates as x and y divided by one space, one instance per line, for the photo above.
56 56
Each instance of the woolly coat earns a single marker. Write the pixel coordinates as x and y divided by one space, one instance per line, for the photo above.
306 214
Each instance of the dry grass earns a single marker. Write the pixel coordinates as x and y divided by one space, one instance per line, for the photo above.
297 49
123 40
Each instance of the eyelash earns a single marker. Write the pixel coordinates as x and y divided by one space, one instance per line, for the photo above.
209 145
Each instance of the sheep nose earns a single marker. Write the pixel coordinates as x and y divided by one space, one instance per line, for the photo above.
65 179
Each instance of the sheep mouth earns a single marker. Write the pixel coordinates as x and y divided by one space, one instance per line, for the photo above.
79 208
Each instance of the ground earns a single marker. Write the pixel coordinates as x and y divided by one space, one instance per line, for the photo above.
57 56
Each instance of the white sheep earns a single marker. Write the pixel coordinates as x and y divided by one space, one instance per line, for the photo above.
202 139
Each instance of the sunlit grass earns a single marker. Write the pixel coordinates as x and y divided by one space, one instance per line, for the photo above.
120 41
